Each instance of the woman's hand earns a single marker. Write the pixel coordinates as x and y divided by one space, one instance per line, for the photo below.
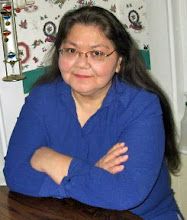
54 164
113 160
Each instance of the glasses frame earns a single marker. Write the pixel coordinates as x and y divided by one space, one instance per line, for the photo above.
86 53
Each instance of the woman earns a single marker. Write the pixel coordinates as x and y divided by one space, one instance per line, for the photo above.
72 134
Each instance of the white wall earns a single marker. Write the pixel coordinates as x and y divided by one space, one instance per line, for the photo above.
165 58
159 44
2 181
179 12
167 21
181 28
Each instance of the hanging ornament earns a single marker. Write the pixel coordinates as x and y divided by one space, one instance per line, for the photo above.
11 55
7 8
9 39
5 13
7 18
6 33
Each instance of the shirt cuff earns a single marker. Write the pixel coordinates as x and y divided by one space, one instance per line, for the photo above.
50 189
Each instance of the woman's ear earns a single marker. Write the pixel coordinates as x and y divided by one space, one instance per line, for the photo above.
118 66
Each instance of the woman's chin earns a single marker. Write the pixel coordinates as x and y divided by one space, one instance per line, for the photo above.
85 92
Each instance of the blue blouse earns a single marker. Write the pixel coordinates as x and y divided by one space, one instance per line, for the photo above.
127 114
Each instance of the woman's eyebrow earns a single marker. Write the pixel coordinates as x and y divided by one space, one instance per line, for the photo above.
93 46
69 42
100 45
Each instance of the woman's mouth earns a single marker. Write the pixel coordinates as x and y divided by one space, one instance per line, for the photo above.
82 76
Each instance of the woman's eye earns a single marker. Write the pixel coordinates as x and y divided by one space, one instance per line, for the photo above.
70 50
98 53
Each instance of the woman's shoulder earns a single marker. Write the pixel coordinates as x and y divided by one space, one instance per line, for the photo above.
43 95
135 94
45 90
138 99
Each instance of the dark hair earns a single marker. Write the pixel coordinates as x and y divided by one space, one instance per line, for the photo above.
132 70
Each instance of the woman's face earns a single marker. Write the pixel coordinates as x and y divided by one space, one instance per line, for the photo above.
88 73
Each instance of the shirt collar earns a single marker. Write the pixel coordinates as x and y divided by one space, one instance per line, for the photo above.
116 88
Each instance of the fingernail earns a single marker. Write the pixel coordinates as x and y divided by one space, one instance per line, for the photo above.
124 148
125 156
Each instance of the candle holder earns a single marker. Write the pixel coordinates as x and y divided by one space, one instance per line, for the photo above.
10 44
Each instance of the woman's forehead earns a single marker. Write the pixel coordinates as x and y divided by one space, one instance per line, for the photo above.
87 33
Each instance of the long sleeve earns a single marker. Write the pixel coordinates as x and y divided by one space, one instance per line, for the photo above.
29 133
128 189
48 119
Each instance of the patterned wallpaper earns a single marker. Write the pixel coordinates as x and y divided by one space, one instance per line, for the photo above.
37 25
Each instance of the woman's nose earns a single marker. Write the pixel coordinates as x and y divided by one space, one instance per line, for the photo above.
83 60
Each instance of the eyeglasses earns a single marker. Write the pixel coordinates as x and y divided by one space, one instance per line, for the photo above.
92 55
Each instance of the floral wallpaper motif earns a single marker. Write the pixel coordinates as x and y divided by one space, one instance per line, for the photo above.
37 26
57 2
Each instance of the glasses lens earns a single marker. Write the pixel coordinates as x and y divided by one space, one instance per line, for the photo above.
92 56
68 52
96 55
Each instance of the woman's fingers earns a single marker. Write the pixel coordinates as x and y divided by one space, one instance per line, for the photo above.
115 153
117 161
116 146
114 159
115 164
116 169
